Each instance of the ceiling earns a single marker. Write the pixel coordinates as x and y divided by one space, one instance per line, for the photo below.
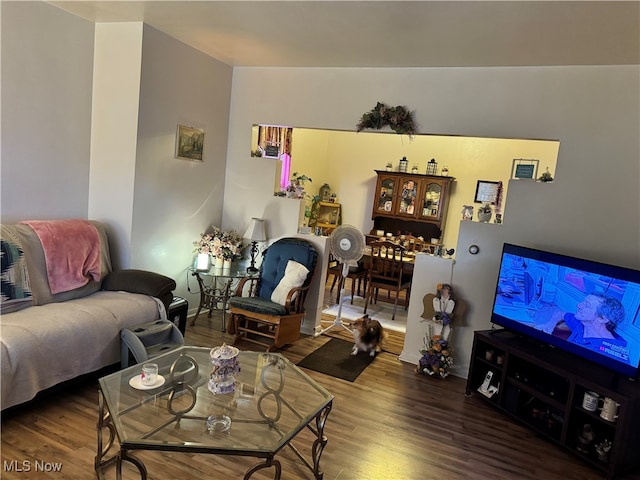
389 33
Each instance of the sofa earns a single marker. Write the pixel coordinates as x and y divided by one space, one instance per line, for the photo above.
63 307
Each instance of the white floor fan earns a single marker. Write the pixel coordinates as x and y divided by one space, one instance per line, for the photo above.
347 246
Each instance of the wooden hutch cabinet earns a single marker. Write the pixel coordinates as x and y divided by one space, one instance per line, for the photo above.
411 203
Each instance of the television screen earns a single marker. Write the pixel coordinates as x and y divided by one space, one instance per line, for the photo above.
587 308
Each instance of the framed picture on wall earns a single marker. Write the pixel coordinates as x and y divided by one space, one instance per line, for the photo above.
524 169
189 143
272 150
486 191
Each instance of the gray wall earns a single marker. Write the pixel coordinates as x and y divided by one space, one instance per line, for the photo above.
47 71
590 210
47 68
176 200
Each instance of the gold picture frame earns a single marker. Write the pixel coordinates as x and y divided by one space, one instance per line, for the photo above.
189 143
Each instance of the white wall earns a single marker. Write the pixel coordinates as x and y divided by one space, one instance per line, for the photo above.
47 71
593 111
114 121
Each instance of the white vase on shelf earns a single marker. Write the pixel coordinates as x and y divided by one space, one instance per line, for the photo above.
219 262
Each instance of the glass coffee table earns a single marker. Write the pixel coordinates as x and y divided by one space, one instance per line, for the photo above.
273 401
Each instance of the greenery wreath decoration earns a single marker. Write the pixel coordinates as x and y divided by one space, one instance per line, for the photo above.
399 118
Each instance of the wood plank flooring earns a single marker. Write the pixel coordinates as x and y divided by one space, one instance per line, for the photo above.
389 424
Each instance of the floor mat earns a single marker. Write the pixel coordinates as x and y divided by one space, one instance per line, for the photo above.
334 358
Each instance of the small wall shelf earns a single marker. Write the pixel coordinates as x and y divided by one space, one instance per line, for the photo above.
329 216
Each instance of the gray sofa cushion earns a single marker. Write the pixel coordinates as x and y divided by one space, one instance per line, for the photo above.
42 346
258 305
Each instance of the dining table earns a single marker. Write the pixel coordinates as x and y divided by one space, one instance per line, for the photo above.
408 259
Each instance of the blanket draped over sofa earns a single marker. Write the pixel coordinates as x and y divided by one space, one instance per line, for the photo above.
47 338
71 252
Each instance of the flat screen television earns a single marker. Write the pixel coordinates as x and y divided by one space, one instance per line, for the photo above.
587 308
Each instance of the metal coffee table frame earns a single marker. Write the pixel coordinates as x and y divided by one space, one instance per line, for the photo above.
186 382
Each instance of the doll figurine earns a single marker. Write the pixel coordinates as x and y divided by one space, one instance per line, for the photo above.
443 305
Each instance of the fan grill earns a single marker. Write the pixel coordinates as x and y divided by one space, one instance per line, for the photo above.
347 244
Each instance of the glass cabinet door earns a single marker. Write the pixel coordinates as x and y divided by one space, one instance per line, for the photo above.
408 198
385 195
431 204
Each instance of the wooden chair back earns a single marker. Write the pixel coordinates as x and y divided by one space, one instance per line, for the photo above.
386 262
413 244
386 272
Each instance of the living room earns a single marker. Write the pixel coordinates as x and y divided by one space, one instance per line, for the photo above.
70 149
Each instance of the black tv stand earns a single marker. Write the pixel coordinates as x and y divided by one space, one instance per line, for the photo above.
544 389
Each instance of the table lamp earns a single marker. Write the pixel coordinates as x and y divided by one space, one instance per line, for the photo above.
256 234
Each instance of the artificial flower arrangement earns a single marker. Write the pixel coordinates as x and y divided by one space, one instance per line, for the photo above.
399 119
220 243
436 356
546 176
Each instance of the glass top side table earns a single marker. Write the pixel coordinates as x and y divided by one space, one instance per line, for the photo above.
215 288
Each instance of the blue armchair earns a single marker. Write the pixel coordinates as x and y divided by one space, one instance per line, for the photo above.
267 309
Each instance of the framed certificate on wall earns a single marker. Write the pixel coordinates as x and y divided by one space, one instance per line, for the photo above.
486 191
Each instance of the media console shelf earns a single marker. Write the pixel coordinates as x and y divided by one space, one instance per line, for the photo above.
543 387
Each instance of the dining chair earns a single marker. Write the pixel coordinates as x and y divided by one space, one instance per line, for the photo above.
386 272
413 244
357 274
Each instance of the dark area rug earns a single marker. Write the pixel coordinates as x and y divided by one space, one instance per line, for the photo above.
334 358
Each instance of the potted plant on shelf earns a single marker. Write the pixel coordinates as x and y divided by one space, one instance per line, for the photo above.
546 176
295 189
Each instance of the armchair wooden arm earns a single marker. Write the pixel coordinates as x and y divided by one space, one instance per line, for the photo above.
295 300
254 284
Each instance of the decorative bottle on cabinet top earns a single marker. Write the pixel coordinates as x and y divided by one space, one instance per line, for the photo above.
402 166
432 167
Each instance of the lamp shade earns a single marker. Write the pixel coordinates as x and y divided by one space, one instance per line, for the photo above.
255 232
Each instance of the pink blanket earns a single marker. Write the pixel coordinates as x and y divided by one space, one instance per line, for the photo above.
71 252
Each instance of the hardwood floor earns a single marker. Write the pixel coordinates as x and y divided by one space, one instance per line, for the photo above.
389 424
